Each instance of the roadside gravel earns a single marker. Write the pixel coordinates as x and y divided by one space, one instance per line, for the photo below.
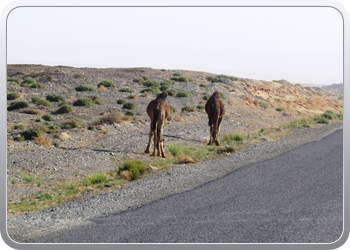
154 187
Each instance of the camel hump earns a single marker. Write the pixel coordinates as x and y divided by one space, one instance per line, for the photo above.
162 95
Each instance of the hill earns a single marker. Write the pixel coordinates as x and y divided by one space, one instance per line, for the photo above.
79 141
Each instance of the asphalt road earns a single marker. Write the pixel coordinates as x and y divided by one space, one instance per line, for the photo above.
295 197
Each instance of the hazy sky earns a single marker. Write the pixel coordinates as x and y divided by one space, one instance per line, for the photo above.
299 44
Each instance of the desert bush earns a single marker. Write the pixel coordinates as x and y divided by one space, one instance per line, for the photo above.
65 108
50 78
18 126
153 90
200 106
279 109
40 101
202 85
330 115
31 133
222 95
264 105
177 74
14 80
107 83
129 105
233 137
321 119
38 119
42 140
130 113
151 83
111 118
181 79
37 86
183 93
206 97
139 80
17 105
28 177
95 179
135 169
55 98
48 117
28 81
121 101
74 123
85 87
97 100
84 101
50 128
172 92
127 90
172 108
78 75
12 96
56 144
220 78
188 109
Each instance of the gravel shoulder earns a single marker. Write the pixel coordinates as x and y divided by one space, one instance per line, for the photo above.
180 178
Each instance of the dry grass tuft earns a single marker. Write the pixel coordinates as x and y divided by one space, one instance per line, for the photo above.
132 96
111 118
63 136
182 158
42 140
125 175
101 128
102 87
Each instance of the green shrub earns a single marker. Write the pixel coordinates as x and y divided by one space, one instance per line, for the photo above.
12 96
78 75
48 117
152 90
41 101
181 79
321 119
279 109
28 81
206 97
65 108
222 95
31 111
55 98
85 87
98 178
151 83
183 93
50 128
172 92
84 101
17 105
14 80
330 115
188 109
127 90
264 105
201 106
74 123
139 80
37 86
202 85
97 100
18 126
121 101
172 108
177 74
220 78
232 137
130 113
28 177
50 78
136 168
107 83
31 133
129 105
38 119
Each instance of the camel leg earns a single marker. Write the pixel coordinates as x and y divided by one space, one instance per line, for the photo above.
218 131
211 135
155 143
162 140
149 141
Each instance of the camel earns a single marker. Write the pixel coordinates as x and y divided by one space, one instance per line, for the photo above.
158 110
215 109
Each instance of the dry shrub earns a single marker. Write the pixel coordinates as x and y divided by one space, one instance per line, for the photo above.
101 128
102 87
115 88
42 140
84 130
111 118
145 94
182 158
125 175
63 136
132 96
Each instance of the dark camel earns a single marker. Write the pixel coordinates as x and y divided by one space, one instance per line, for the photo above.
158 110
215 109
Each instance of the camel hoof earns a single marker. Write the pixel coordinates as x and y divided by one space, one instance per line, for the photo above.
147 151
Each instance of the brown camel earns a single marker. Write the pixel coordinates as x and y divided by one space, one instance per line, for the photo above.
215 109
158 110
